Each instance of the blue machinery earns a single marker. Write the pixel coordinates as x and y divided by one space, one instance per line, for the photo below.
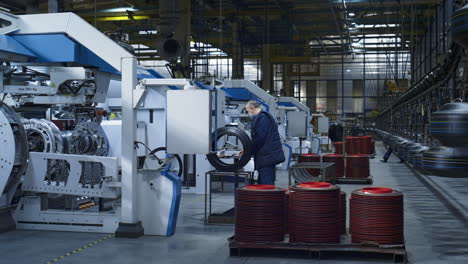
291 115
69 67
61 63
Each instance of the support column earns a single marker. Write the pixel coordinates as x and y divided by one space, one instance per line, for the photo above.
182 33
287 84
267 69
32 7
54 6
129 226
237 52
312 95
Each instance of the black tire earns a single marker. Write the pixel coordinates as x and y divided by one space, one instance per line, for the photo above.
238 164
179 160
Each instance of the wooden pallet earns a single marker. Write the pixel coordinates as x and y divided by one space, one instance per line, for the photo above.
282 249
354 180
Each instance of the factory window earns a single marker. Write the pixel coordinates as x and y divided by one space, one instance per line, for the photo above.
300 82
296 68
252 70
296 89
278 79
300 89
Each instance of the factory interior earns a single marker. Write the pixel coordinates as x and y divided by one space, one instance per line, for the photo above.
233 131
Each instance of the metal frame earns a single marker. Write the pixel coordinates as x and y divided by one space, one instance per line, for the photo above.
30 215
34 179
408 115
248 175
75 29
326 168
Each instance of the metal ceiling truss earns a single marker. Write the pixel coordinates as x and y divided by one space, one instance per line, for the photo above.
290 22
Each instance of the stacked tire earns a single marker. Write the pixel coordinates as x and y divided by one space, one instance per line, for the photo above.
449 126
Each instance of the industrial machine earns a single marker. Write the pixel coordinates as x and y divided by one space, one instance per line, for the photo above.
70 165
298 132
291 115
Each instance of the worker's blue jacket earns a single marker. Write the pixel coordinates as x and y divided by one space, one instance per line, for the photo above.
267 149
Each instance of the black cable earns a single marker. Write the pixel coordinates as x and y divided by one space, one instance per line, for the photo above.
170 70
83 84
141 143
75 91
150 150
153 153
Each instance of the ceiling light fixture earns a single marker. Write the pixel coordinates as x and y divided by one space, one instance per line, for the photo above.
120 9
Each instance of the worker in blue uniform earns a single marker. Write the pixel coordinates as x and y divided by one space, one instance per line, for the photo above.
388 154
267 149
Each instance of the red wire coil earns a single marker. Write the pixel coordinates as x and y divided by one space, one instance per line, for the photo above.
360 145
371 149
352 145
259 214
338 147
286 205
310 158
260 187
367 145
313 213
315 185
376 216
342 213
357 166
339 163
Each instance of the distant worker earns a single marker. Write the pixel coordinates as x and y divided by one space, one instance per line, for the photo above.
388 154
267 149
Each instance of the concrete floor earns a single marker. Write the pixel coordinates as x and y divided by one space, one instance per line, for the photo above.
433 233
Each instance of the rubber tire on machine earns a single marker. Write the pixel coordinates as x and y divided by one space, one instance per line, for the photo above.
458 28
179 160
446 162
246 143
449 125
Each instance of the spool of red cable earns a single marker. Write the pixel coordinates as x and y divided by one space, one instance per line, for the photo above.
372 148
376 215
259 214
357 166
313 213
360 145
351 145
310 158
342 213
338 147
286 205
339 163
365 146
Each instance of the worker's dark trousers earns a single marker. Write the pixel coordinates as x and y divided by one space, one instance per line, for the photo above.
387 155
267 175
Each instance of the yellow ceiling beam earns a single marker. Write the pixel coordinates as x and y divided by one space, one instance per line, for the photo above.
85 14
122 18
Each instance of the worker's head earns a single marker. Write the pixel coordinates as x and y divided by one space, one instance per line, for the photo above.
253 108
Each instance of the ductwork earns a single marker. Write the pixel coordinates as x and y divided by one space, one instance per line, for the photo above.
170 13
